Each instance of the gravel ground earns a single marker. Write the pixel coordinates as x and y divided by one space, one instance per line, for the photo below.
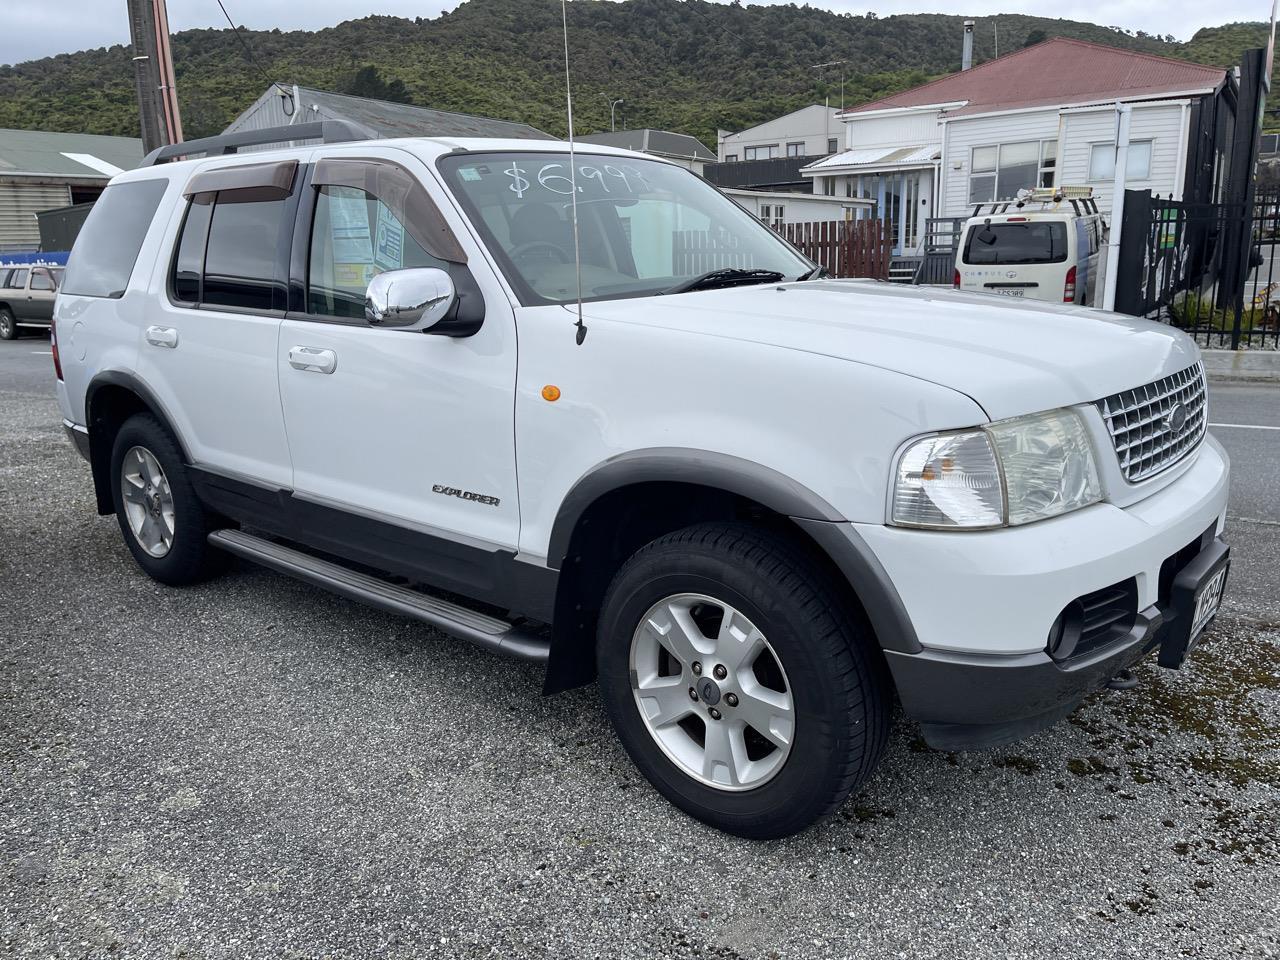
255 768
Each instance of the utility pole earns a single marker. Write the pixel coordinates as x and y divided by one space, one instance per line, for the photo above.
153 77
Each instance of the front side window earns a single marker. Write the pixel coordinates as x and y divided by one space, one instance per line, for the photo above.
644 226
1011 243
354 237
107 247
17 279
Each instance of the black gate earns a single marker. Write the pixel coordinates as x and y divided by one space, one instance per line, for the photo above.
1180 262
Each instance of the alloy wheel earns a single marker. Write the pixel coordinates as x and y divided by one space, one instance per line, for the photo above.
148 501
712 692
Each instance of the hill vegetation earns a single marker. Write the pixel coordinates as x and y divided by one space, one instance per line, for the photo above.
684 65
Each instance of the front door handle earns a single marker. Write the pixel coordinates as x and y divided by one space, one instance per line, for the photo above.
313 359
162 337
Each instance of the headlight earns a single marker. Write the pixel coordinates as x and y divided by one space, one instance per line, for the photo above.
1007 473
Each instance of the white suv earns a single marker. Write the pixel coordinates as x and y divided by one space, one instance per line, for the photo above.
754 503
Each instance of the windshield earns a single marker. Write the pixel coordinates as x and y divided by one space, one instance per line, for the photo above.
644 227
1000 243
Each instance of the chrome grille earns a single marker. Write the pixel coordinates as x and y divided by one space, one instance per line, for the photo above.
1143 422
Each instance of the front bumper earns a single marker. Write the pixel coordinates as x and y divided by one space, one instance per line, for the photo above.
982 605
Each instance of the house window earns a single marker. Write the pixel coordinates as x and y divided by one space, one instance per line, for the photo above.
795 149
772 214
999 171
730 158
1048 162
760 153
1102 161
833 145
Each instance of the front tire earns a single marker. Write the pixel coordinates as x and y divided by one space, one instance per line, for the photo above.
738 682
164 524
8 325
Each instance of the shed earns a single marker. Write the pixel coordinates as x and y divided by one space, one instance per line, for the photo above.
42 170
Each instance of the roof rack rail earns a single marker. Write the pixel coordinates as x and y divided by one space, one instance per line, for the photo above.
329 131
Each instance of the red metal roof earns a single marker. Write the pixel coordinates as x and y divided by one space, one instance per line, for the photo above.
1057 71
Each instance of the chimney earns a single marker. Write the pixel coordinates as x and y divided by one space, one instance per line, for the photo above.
966 59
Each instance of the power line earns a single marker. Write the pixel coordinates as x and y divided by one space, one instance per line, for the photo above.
247 49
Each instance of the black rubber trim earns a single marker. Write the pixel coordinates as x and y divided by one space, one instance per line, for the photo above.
860 566
487 574
79 438
718 471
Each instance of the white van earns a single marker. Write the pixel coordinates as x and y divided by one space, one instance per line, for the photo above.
1050 253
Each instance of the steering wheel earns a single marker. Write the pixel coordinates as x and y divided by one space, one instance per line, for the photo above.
520 251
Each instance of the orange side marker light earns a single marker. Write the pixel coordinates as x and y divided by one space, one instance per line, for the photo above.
551 393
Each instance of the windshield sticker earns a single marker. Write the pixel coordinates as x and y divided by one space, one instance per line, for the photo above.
469 173
604 180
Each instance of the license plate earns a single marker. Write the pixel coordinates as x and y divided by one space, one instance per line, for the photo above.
1207 599
1009 293
1197 594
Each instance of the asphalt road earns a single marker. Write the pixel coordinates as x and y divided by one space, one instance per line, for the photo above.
255 768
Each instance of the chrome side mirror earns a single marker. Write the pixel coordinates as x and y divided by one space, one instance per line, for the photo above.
416 298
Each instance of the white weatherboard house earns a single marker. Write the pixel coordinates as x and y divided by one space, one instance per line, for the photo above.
812 131
1042 116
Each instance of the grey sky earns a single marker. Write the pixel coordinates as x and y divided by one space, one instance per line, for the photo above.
33 29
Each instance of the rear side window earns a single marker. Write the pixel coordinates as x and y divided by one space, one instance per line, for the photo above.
229 252
107 248
1001 243
40 280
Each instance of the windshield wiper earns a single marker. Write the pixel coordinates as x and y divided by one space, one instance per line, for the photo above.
724 277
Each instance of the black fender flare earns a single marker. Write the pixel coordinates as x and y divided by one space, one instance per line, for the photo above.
812 514
100 445
720 471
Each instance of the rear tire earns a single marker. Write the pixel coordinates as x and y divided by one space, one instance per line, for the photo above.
799 735
164 524
8 324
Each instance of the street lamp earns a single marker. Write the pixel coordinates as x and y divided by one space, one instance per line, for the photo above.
612 105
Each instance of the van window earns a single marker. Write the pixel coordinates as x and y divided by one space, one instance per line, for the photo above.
998 243
107 247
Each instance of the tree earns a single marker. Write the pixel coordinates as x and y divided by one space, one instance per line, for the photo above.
1034 37
368 82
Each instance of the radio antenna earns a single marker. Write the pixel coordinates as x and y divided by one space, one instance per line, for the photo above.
573 172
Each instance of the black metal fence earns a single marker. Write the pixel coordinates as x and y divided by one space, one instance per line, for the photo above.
1185 263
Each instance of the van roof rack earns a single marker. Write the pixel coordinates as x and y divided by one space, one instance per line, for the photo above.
328 131
1080 198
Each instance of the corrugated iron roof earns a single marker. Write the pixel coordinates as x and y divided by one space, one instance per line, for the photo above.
1057 71
647 140
66 155
386 119
877 157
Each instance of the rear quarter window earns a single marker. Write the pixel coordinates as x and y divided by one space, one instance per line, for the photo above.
1031 242
107 248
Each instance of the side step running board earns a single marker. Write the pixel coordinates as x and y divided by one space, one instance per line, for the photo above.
484 631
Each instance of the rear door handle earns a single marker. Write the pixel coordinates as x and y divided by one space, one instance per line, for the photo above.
162 337
313 359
